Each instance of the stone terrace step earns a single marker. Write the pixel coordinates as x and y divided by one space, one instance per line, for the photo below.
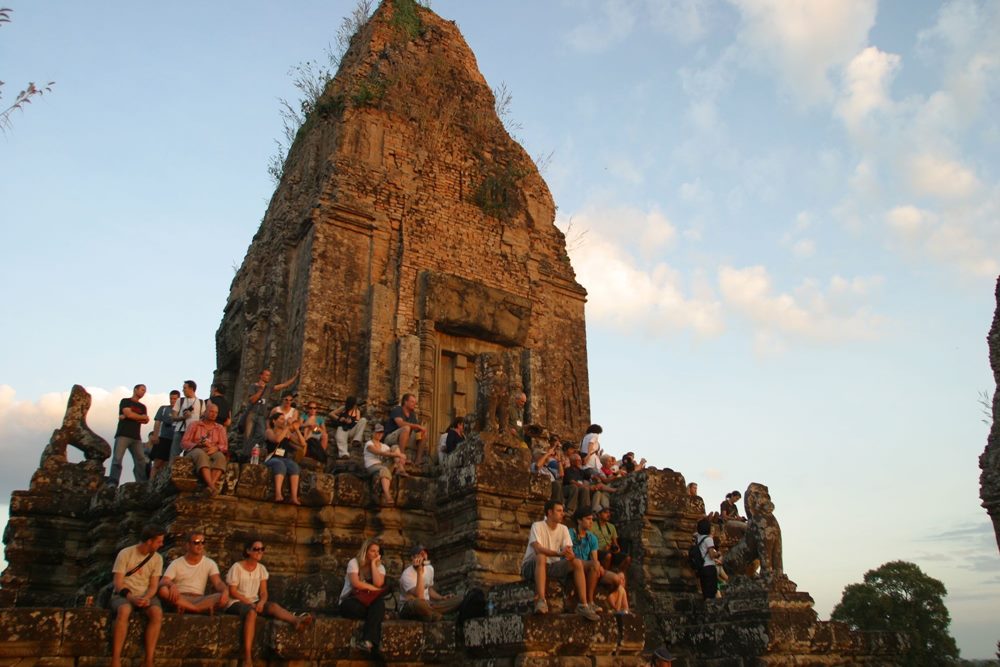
80 637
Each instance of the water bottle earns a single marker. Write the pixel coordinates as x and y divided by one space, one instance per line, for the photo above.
491 608
255 455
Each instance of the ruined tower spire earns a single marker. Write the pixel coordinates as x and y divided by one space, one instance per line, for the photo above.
410 245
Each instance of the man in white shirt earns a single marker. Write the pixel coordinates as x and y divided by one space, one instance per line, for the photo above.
416 588
550 554
183 584
186 412
136 574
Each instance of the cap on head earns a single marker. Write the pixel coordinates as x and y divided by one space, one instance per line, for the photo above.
379 428
583 513
416 549
661 653
600 509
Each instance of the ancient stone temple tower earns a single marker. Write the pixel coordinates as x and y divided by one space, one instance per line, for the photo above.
410 246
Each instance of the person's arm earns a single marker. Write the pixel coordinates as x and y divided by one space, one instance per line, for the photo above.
287 383
135 415
378 574
154 583
191 437
220 587
262 592
169 589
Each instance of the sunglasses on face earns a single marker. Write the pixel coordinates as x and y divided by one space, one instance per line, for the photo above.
258 549
197 542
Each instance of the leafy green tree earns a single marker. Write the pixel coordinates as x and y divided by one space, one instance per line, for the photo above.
899 597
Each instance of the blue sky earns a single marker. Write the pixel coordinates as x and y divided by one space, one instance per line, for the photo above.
785 212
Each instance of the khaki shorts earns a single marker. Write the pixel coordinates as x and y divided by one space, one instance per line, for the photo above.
555 568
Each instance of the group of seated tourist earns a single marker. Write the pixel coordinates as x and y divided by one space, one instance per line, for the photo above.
278 436
192 583
582 476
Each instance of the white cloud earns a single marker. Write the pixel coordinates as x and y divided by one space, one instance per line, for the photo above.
866 84
803 41
968 239
27 426
804 248
809 312
908 221
615 21
622 294
937 176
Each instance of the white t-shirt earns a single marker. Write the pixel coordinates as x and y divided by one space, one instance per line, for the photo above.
247 582
352 566
372 459
704 545
556 540
128 558
588 450
184 403
408 581
191 579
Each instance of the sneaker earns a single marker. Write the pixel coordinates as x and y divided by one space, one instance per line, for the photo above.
587 612
541 607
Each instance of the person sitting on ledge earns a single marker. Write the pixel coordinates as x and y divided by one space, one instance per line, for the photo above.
450 440
546 463
362 597
403 427
376 458
550 554
247 581
416 588
728 511
183 584
282 443
287 407
576 484
585 544
136 575
314 431
609 551
350 426
206 445
629 465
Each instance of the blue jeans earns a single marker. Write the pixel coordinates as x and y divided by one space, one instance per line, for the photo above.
175 445
134 446
279 465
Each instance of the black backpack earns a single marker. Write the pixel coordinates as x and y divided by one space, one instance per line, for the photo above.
695 558
473 605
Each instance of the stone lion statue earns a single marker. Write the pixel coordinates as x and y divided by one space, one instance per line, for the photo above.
74 431
762 540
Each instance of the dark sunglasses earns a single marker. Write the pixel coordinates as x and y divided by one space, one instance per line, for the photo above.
197 542
261 549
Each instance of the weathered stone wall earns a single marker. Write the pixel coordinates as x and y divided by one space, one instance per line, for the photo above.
474 515
408 230
989 461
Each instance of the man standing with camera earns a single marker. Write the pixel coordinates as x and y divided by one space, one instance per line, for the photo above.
187 411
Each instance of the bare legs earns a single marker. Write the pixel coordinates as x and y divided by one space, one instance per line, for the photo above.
154 619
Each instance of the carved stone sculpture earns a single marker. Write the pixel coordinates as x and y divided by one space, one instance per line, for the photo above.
494 391
74 431
762 540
